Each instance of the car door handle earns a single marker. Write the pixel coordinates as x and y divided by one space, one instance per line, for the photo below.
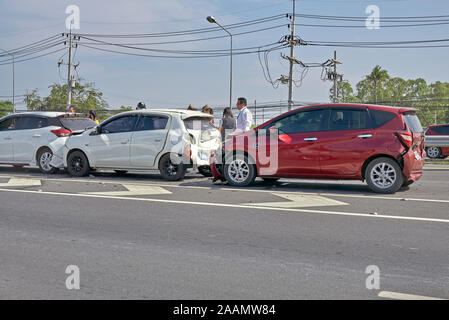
364 136
310 139
8 138
158 140
124 142
37 136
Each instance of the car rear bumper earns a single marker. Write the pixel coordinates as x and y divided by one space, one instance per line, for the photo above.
413 165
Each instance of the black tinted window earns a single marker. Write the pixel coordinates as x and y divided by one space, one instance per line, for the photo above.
413 123
7 124
152 123
302 121
441 130
76 124
347 119
122 124
379 118
28 123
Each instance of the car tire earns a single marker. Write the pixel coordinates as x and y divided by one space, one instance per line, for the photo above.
171 171
120 172
239 171
205 171
383 175
43 160
77 164
433 152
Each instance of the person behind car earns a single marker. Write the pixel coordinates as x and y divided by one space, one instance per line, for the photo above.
227 123
93 116
245 117
71 109
191 107
207 109
141 106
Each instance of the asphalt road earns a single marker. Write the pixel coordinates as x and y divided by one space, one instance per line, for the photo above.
136 236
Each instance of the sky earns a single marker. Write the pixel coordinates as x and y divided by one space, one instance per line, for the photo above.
160 82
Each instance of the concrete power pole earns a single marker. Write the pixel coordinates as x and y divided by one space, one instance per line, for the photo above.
70 65
292 54
335 77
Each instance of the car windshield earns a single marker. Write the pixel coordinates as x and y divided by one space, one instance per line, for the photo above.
413 123
76 124
198 123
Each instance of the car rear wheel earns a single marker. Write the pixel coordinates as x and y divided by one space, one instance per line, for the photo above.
239 171
78 164
205 171
383 175
43 159
171 171
433 152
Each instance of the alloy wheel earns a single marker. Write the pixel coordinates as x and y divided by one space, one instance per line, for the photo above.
383 175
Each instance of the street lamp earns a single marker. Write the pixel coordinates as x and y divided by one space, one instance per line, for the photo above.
13 82
212 20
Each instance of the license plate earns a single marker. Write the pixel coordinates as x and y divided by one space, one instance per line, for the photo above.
417 156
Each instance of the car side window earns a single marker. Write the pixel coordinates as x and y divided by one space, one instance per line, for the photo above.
302 121
119 125
152 123
8 124
28 123
443 130
348 119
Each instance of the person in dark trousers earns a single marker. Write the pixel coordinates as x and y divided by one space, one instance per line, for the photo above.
227 123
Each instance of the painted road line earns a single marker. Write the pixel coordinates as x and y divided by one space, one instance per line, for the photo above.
404 296
215 187
299 201
225 205
134 190
14 182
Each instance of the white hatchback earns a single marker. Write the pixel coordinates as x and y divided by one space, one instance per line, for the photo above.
34 138
167 140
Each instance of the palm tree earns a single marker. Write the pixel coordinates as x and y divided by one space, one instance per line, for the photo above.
377 77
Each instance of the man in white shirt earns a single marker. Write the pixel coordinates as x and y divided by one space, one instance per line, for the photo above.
244 118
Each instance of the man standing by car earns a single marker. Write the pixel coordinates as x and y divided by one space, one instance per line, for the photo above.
244 118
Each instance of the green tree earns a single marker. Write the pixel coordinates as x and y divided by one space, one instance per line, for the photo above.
85 97
377 77
5 108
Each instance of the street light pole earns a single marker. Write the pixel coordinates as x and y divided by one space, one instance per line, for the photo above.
212 20
13 82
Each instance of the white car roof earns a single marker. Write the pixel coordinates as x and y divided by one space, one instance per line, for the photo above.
183 113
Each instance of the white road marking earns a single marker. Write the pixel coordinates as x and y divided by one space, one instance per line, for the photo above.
134 190
299 201
226 205
118 181
404 296
15 182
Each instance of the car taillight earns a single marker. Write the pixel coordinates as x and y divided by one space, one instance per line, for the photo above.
188 151
406 138
61 133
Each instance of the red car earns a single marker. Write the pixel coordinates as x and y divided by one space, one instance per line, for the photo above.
380 144
437 152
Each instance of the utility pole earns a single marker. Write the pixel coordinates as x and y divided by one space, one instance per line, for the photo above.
292 54
334 76
70 65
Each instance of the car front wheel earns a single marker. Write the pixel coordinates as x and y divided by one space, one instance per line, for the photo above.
383 175
77 164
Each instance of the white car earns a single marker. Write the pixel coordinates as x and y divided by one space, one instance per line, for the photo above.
166 140
32 138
